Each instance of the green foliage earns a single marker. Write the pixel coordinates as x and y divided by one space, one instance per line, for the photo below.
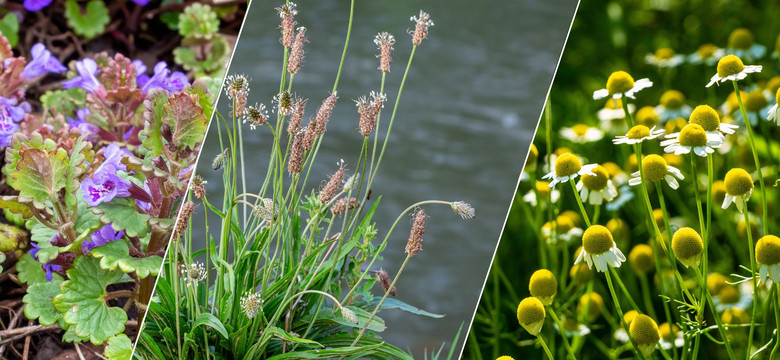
39 300
209 64
119 347
40 175
198 20
64 101
186 120
123 216
82 301
88 22
116 255
9 27
30 271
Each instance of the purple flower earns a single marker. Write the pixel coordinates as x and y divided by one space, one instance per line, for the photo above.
35 5
81 122
105 235
113 154
49 268
104 186
141 2
86 79
10 115
161 79
42 63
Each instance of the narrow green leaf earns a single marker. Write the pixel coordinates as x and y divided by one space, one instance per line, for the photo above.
211 321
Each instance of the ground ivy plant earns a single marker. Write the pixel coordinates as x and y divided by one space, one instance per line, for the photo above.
98 166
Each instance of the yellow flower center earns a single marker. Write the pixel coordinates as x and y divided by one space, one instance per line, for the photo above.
718 191
533 154
741 39
611 104
613 169
768 250
674 160
629 316
580 129
668 332
543 187
693 135
706 117
675 125
658 216
563 224
641 259
664 54
730 65
619 82
644 330
597 240
716 282
738 182
646 116
686 243
505 358
596 179
567 165
777 95
619 229
729 294
654 167
631 164
530 311
543 284
755 101
562 150
581 273
638 132
706 51
672 99
593 301
574 216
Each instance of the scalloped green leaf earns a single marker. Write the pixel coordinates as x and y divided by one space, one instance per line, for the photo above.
186 120
64 101
116 255
41 234
150 136
12 204
219 51
40 175
83 301
76 167
9 27
119 347
123 215
39 300
86 219
87 22
198 20
31 272
70 335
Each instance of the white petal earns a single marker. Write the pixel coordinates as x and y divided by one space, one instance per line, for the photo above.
740 202
762 274
579 258
727 201
714 79
749 69
595 198
675 171
600 94
774 273
579 185
634 181
672 182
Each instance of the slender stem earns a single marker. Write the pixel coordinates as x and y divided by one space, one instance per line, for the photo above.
563 332
382 301
753 278
695 181
721 329
776 290
624 102
579 202
755 158
544 345
620 313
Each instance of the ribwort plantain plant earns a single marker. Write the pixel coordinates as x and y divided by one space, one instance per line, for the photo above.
292 271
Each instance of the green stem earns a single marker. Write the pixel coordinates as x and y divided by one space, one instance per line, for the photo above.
620 313
579 202
563 332
721 329
755 282
546 349
755 158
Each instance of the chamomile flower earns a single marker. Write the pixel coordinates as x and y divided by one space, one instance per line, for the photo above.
620 84
590 304
687 246
641 259
692 137
572 328
647 116
665 58
613 117
742 44
671 336
655 168
637 134
672 106
595 186
567 167
565 230
581 134
709 120
544 191
543 286
616 173
739 187
756 105
768 256
645 333
737 296
773 116
599 249
731 68
707 54
531 314
580 273
621 334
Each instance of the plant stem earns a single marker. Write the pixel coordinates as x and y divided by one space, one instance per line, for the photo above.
755 158
620 313
579 202
562 331
753 278
544 345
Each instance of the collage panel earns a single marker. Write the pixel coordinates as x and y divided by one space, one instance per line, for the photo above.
643 224
103 110
304 234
